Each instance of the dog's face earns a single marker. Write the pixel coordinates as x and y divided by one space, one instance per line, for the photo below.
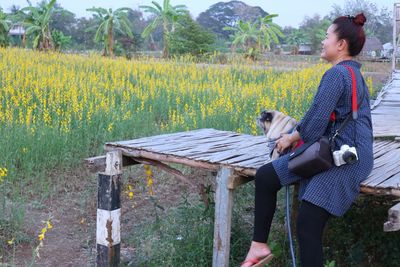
265 120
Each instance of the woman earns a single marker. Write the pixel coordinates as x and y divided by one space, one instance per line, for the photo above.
329 193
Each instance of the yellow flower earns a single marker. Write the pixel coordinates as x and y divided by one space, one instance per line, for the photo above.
3 172
110 127
44 230
130 195
10 242
49 225
41 236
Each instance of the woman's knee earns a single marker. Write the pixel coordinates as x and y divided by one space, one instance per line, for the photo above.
267 177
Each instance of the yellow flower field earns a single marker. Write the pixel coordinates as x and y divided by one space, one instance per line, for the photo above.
72 104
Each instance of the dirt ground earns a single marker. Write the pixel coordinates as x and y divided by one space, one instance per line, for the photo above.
72 240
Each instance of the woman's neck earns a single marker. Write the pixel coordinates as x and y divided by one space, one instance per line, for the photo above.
340 59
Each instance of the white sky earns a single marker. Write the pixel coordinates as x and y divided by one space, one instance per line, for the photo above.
291 12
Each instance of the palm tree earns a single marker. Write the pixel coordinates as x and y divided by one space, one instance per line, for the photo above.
37 21
110 21
245 34
4 28
269 32
167 16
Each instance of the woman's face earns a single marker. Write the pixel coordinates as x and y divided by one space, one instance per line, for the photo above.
331 46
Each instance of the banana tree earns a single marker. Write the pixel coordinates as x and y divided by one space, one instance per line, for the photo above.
269 32
37 23
109 21
4 28
295 38
167 16
245 34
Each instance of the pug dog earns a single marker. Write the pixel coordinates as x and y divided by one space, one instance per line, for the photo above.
274 124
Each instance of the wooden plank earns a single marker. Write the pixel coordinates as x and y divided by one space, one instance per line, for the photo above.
223 215
392 182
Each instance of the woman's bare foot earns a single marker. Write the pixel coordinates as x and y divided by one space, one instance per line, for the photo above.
257 251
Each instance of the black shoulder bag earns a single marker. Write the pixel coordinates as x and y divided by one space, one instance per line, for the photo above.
315 157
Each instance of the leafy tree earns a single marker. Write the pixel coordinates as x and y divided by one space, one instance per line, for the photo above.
167 16
255 36
379 22
190 37
247 35
228 14
109 21
63 20
4 28
83 34
315 28
37 23
60 40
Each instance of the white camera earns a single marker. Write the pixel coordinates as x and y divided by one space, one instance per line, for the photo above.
346 155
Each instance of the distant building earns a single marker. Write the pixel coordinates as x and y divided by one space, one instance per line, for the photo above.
17 30
17 33
387 50
372 48
305 49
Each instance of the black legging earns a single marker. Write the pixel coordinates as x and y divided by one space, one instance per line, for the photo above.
311 219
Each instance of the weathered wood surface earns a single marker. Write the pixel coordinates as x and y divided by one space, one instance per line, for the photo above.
211 149
386 109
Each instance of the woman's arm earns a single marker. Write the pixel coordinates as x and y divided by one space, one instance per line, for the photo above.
314 123
294 137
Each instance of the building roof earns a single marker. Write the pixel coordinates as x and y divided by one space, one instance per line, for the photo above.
372 44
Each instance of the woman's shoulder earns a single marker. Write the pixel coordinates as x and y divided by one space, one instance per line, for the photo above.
335 73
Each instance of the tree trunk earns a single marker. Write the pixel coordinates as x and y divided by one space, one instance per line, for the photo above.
166 41
110 41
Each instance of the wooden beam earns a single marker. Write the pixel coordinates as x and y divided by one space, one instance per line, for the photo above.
237 180
136 153
98 163
393 223
380 191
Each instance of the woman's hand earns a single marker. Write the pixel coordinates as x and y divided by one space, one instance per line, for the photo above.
283 143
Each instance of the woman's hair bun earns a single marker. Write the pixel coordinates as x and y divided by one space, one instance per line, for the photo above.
360 19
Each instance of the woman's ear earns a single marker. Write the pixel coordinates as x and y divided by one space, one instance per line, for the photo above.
342 45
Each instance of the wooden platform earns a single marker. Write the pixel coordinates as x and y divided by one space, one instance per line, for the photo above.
211 149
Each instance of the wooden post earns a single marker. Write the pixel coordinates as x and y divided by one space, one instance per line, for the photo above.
223 215
108 235
394 38
393 224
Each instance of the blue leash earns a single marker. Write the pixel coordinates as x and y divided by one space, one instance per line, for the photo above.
289 229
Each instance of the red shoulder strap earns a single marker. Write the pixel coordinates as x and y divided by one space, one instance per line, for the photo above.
354 107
